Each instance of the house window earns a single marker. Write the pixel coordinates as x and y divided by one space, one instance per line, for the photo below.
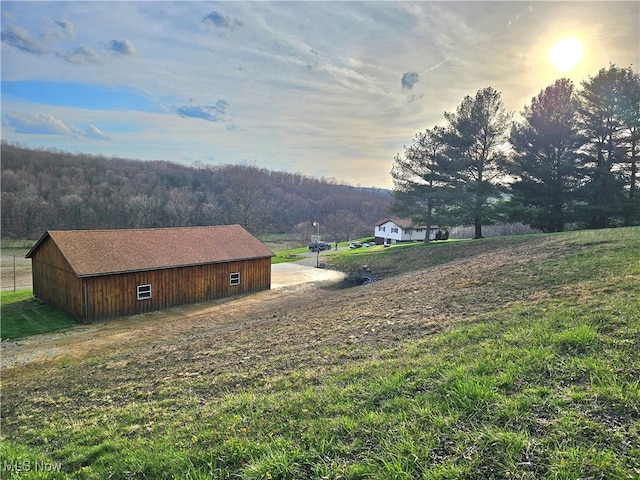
394 229
383 228
234 278
144 292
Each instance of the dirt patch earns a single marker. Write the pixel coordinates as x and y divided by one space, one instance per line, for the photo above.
15 270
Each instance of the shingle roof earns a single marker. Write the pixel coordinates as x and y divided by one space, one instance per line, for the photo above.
100 252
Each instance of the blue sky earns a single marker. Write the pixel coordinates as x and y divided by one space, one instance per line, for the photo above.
331 89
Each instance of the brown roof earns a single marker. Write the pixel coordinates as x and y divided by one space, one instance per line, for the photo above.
100 252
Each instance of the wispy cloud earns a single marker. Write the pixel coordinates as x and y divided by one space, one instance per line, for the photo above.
123 47
45 124
44 43
67 26
22 40
94 132
81 55
221 20
38 123
212 113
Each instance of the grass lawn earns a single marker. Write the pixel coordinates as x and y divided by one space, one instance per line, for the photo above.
544 385
22 315
290 255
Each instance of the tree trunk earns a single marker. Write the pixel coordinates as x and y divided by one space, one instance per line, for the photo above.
478 228
427 235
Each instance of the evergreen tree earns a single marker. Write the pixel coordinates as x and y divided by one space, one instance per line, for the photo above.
420 184
476 144
630 112
546 159
602 116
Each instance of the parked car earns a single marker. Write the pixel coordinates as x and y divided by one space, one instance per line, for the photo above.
358 245
319 246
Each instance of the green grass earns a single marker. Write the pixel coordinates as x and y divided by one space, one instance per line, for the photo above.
17 244
407 257
293 254
290 255
22 315
547 388
279 242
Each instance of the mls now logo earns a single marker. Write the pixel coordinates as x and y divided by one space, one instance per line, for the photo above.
18 466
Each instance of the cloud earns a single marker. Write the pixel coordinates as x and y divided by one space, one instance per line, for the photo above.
39 123
220 20
415 97
67 26
81 55
45 124
22 40
55 30
212 113
123 47
409 79
94 132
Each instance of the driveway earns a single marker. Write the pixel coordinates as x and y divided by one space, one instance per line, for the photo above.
295 273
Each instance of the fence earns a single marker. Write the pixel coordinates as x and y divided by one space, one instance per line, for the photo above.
15 273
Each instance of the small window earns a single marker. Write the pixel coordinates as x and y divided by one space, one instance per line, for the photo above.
144 292
394 229
234 278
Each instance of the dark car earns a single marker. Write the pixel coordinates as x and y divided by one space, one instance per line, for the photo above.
319 246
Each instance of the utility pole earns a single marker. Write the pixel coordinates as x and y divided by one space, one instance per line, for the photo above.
317 224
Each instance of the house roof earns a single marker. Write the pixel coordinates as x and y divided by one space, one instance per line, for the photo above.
101 252
400 222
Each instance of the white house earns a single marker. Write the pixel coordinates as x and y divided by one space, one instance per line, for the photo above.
401 230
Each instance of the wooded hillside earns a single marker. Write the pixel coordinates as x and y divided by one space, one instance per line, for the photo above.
45 190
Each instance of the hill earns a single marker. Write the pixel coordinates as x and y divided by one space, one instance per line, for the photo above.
499 358
45 190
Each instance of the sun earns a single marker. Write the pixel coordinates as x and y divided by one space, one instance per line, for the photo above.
566 54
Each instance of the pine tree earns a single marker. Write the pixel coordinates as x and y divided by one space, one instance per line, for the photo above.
545 157
476 144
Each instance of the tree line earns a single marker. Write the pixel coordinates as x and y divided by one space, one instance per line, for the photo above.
569 161
53 190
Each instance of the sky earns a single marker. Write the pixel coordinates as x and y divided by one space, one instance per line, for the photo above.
325 89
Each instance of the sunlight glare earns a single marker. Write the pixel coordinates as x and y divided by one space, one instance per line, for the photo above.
566 54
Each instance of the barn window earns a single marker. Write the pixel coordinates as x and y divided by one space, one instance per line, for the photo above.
144 292
234 278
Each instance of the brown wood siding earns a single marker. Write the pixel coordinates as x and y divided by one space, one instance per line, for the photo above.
54 281
116 295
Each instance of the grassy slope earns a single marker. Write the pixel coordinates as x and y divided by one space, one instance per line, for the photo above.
22 316
543 386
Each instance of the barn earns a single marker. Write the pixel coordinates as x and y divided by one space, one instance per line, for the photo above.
99 274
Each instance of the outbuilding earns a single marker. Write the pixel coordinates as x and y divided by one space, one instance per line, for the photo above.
99 274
